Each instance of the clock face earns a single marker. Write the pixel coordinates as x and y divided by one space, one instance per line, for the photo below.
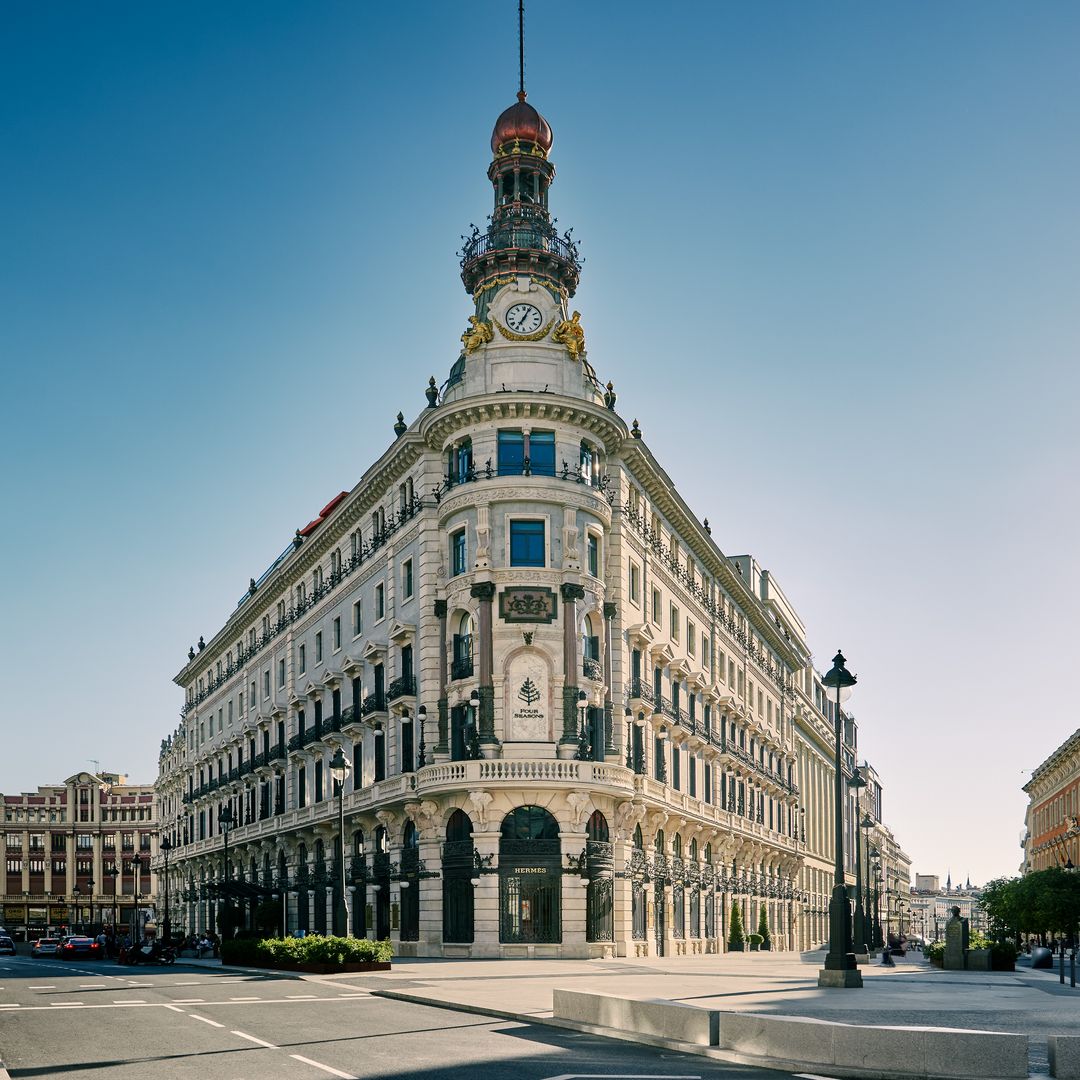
524 319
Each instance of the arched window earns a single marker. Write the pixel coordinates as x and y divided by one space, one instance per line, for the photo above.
659 843
529 823
458 827
597 828
693 851
639 840
464 636
590 639
708 854
358 843
676 846
410 838
382 840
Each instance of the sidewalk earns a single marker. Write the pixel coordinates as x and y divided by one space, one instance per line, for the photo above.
910 994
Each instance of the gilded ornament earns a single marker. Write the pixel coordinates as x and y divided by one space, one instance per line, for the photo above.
570 334
536 336
479 333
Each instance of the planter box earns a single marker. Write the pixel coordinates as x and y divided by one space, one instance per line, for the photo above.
316 969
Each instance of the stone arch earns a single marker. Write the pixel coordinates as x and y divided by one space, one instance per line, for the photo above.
529 712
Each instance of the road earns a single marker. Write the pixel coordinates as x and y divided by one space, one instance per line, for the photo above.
94 1019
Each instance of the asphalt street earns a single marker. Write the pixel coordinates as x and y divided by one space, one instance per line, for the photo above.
96 1019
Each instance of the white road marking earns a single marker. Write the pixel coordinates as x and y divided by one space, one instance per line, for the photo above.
9 1005
41 988
129 1001
251 1038
91 986
64 1004
620 1076
294 997
325 1068
245 999
205 1020
190 1001
194 982
813 1076
175 1008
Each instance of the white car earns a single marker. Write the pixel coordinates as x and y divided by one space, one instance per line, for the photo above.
45 946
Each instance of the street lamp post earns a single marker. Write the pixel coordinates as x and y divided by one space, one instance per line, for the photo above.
339 769
136 865
165 847
76 892
225 820
886 952
841 969
857 783
114 873
90 893
867 824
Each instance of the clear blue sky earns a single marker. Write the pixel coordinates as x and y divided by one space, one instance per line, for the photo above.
832 266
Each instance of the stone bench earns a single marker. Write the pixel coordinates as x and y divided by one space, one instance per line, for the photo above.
1064 1053
803 1042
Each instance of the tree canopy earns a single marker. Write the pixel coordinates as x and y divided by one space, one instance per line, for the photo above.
1045 901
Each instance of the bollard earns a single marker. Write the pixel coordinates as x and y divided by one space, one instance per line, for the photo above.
1072 967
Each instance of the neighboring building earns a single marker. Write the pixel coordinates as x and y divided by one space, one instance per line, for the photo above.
1052 836
931 908
541 668
61 845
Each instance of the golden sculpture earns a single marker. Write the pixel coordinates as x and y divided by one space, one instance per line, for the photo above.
479 333
570 334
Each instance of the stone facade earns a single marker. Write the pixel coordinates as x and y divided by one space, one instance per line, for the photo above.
60 846
570 719
1052 821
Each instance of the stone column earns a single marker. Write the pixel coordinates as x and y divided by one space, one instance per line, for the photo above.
484 591
574 898
571 594
443 745
622 899
486 900
610 750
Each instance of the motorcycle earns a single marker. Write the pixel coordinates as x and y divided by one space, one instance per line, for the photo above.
150 953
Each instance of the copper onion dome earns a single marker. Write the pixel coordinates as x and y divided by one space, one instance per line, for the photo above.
521 121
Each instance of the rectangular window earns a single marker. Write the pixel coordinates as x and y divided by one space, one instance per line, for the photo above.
674 623
337 633
635 584
301 787
230 712
593 550
281 673
542 453
657 607
527 543
380 602
407 579
705 651
691 637
301 659
511 453
211 725
318 647
458 553
357 619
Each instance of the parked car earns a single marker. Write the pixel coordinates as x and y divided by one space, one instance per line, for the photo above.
45 946
75 945
7 945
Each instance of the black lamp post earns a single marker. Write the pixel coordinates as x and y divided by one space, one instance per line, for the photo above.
857 783
165 847
90 893
114 873
841 969
76 893
339 769
136 865
867 824
225 820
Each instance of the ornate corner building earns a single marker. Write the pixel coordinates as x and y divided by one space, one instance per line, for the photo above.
571 722
1051 835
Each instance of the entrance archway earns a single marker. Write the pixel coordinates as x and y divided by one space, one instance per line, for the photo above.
600 866
457 870
530 878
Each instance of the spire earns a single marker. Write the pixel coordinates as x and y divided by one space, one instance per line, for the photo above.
521 50
948 882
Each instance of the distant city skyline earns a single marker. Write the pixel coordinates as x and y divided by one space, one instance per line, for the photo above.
840 240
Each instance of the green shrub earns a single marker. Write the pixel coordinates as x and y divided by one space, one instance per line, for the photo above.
1003 956
763 929
977 940
313 949
934 951
736 941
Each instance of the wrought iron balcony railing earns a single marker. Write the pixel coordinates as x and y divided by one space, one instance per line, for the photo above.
591 669
405 686
461 668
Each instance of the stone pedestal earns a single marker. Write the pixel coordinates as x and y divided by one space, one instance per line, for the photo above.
839 979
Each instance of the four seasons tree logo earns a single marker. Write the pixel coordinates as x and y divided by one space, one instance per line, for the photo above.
529 693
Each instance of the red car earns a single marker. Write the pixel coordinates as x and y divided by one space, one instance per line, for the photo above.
74 946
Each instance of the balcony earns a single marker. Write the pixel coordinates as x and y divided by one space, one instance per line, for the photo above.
373 703
350 718
591 669
402 687
641 691
461 668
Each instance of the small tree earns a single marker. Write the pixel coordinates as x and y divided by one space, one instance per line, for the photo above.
736 940
763 930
